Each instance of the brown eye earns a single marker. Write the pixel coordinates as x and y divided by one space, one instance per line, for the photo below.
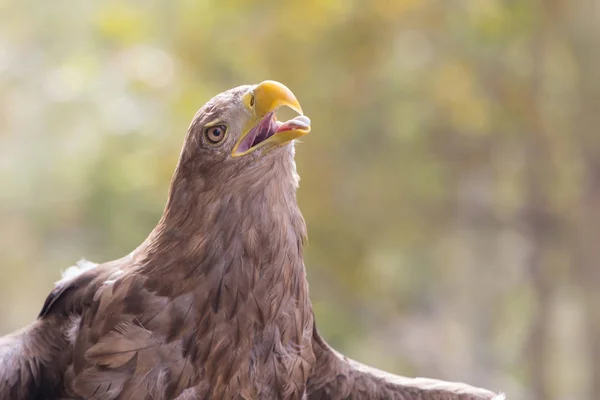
215 134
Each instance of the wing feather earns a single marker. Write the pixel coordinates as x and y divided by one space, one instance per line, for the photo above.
336 377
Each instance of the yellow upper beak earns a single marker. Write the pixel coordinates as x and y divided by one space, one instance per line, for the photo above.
270 95
262 100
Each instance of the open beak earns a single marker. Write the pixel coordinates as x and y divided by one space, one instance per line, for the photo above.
263 130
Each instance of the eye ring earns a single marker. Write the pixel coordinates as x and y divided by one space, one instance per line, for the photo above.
215 134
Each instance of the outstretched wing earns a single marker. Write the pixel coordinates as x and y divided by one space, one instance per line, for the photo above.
336 377
32 360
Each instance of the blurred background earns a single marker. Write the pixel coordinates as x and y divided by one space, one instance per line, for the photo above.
451 184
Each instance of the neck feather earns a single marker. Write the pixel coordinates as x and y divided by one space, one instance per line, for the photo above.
250 226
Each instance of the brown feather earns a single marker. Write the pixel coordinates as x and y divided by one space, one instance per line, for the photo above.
336 377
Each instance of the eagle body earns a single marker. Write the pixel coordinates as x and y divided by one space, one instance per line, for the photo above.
234 321
214 303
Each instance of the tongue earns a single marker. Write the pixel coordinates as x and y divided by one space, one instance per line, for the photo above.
299 122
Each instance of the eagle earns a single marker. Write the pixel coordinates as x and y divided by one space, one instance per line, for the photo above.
214 304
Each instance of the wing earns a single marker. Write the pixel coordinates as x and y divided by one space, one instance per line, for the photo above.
336 377
32 360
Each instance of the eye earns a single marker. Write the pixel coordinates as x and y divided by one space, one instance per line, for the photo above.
216 133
